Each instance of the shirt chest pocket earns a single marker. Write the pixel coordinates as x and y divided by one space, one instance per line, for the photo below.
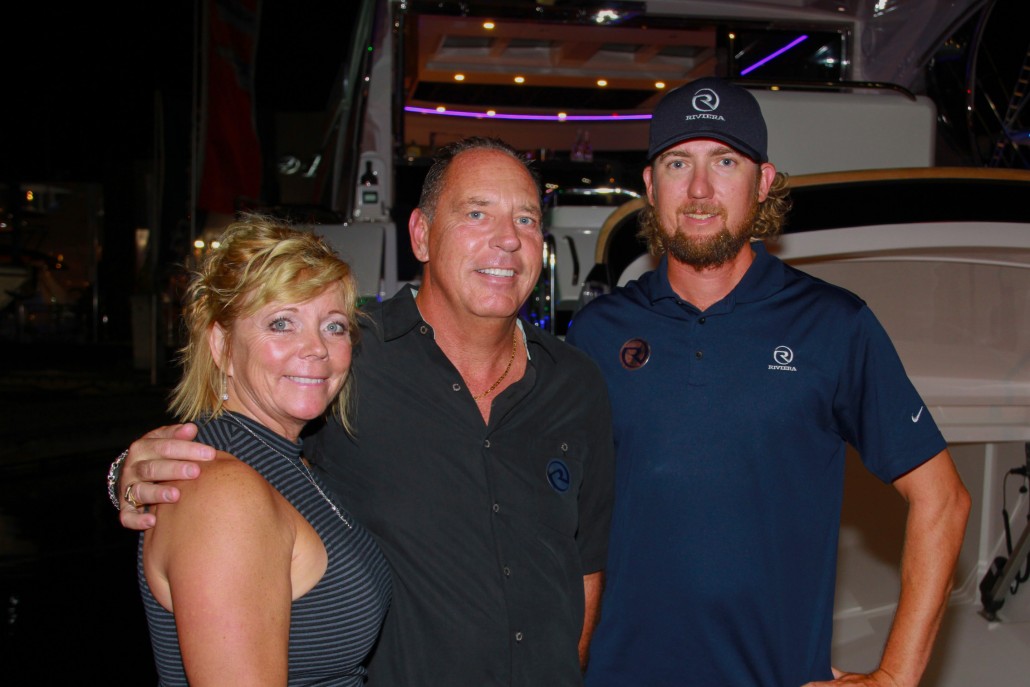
549 474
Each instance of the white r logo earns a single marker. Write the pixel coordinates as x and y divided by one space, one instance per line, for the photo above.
783 355
705 100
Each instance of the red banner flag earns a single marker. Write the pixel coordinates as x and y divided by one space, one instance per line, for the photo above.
231 162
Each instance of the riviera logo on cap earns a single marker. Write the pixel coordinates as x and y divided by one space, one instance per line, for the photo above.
709 108
706 100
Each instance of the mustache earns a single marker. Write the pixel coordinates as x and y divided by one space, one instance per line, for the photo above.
702 209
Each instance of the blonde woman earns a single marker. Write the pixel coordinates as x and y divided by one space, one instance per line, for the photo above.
259 575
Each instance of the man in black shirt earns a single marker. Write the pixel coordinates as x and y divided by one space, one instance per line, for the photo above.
481 456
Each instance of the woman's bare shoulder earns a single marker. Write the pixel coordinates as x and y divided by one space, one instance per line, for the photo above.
230 488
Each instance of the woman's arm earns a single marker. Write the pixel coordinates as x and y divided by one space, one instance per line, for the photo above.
220 559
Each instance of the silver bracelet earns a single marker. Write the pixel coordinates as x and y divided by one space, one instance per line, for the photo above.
113 474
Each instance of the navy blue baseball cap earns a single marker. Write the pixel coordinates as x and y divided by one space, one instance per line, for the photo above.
710 108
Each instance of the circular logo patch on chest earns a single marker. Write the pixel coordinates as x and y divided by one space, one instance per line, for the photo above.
634 354
558 476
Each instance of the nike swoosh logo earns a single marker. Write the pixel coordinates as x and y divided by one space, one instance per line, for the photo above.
915 418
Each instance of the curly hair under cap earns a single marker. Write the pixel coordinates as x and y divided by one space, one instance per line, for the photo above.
260 260
767 224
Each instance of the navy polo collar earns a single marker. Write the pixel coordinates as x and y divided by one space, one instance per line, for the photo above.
765 276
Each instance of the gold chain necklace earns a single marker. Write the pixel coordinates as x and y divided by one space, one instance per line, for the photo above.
514 348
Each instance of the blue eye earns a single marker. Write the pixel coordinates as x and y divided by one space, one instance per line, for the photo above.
279 325
476 214
337 327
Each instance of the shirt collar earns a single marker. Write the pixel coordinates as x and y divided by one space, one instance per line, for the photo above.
401 315
765 276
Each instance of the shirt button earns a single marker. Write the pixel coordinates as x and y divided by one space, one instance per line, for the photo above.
455 387
507 571
699 355
702 320
497 508
423 329
564 447
518 636
486 444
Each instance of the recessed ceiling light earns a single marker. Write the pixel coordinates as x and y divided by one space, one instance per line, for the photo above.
459 77
659 85
520 79
602 83
489 25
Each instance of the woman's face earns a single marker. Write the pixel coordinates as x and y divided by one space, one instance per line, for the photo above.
287 362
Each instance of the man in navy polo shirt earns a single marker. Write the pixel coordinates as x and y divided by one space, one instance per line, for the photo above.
736 381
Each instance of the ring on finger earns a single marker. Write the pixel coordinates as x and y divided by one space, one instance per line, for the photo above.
130 496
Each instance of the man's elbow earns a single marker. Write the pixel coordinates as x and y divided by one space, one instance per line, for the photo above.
959 507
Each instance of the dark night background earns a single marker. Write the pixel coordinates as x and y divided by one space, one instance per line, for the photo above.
79 106
85 86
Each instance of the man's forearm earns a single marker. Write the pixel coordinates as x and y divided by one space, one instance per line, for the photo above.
938 510
593 585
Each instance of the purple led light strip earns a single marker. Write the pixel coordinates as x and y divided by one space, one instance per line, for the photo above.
547 118
776 54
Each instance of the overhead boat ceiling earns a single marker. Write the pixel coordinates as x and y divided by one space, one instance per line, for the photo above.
562 48
562 51
560 63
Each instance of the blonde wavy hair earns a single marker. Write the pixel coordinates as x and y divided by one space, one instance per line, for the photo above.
260 260
767 224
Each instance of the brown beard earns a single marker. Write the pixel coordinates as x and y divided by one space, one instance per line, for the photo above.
711 251
716 250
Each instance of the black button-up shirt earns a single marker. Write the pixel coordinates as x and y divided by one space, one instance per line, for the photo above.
489 529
